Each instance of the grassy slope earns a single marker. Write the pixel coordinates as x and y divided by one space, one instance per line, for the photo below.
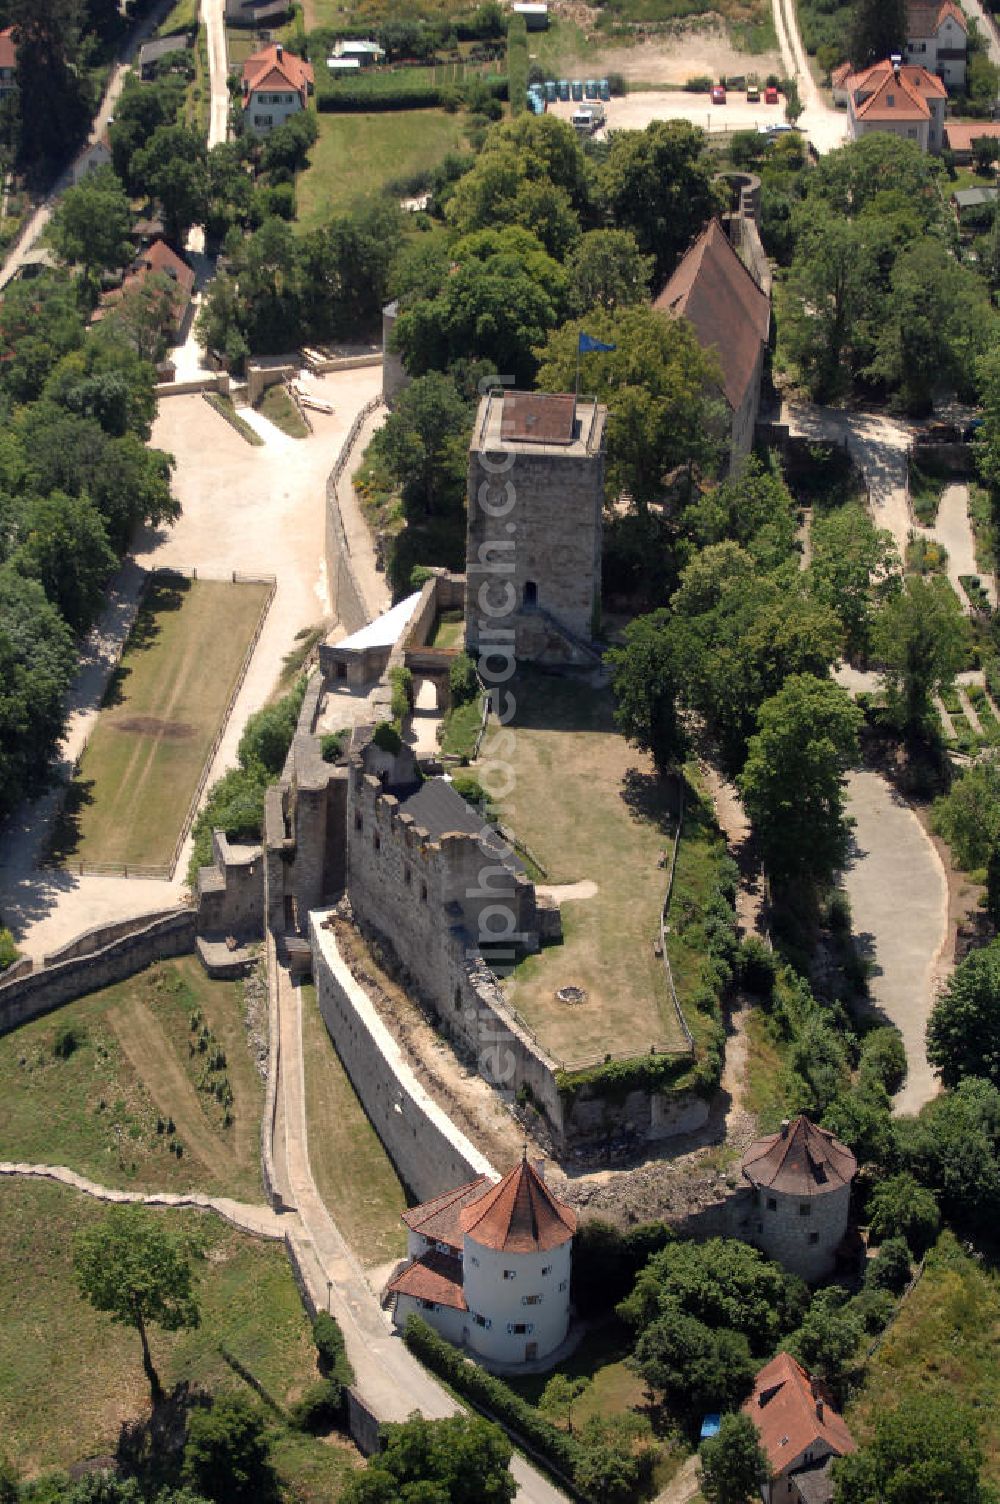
278 407
162 710
95 1111
353 1172
69 1377
358 154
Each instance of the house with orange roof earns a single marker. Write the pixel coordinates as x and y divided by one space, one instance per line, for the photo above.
801 1432
489 1267
275 85
8 62
893 97
731 316
937 38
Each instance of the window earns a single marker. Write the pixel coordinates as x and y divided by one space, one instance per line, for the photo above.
520 1328
483 1321
376 840
407 875
547 1269
814 1237
423 892
772 1204
531 1300
473 1261
805 1209
563 1285
428 1305
890 100
530 594
358 822
510 1274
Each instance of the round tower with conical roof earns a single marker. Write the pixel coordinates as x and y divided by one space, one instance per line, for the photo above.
801 1178
517 1241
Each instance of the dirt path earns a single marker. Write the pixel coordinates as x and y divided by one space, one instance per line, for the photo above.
143 1040
825 126
684 1487
953 530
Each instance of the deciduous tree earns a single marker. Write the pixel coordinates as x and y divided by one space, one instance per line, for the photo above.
733 1464
90 226
921 637
645 686
963 1031
462 1460
927 1449
227 1456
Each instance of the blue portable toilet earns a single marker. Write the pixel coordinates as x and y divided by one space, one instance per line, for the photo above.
576 88
590 88
564 88
604 89
535 103
550 90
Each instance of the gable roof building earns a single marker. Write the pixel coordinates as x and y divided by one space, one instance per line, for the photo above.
937 38
275 84
800 1432
731 316
901 99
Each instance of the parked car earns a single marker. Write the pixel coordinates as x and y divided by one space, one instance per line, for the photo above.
770 95
718 94
753 94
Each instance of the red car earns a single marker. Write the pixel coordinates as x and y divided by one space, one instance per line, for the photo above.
718 94
770 95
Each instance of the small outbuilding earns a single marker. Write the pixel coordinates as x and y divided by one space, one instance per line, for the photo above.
801 1178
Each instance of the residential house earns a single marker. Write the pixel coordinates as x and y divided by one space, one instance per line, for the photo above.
801 1432
731 316
937 38
490 1267
157 259
960 134
893 97
8 62
276 84
152 53
94 156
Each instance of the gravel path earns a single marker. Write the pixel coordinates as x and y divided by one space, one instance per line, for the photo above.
953 529
899 903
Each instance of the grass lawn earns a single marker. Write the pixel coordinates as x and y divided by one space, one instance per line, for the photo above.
460 728
183 17
162 709
589 807
945 1338
925 495
69 1377
353 1172
278 407
449 630
105 1109
361 153
559 49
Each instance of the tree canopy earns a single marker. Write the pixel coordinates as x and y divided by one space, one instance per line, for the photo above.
963 1031
733 1464
927 1449
463 1460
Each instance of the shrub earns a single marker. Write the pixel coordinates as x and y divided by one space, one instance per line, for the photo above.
462 680
387 738
401 680
331 1353
69 1038
883 1058
320 1408
756 967
419 575
891 1269
901 1208
701 83
617 84
332 745
8 950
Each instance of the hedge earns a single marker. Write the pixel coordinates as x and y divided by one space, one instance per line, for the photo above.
492 1396
614 1079
363 97
517 63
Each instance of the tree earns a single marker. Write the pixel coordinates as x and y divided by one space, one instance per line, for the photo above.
952 1150
963 1031
227 1455
55 93
753 508
921 636
901 1208
883 1058
659 184
559 1396
130 1266
90 226
793 102
891 1268
64 545
36 665
424 445
695 1366
793 781
830 286
607 270
828 1339
644 684
172 168
463 1460
855 568
987 445
968 816
660 389
733 1464
609 1469
928 1449
878 29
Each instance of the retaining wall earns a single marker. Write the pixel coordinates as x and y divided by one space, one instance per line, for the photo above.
102 935
429 1152
219 383
29 997
346 595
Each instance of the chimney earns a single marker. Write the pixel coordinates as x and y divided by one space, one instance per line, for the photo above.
819 1409
785 1125
281 52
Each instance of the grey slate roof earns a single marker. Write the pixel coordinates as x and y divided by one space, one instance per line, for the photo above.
435 805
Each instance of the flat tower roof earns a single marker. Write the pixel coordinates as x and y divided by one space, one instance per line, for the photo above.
538 417
552 422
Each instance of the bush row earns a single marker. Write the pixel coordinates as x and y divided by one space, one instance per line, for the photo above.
358 97
517 63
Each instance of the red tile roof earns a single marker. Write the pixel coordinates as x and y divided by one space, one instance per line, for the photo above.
793 1413
276 68
160 258
960 134
434 1276
519 1215
882 92
925 17
437 1219
713 289
8 51
800 1160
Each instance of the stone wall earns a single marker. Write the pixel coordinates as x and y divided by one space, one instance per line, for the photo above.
43 990
231 892
429 1152
89 941
346 596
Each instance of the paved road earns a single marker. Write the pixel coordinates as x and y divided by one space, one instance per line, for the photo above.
899 904
987 28
825 126
213 15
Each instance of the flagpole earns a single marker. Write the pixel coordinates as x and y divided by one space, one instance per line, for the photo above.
577 397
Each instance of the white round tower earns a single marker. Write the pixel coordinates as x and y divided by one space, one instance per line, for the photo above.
801 1177
516 1264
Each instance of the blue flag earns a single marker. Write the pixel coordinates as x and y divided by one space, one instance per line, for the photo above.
588 345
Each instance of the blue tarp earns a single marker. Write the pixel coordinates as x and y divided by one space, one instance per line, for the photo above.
709 1427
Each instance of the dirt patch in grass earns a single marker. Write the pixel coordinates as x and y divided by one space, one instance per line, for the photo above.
105 1109
164 705
69 1377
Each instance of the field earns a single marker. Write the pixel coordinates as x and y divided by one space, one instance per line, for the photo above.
590 808
69 1377
353 1172
358 154
103 1100
944 1339
163 707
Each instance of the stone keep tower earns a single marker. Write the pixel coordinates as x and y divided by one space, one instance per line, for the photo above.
801 1178
533 550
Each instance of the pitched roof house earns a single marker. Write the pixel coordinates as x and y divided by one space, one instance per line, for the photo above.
156 260
900 99
490 1266
731 316
800 1432
275 84
8 62
937 37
